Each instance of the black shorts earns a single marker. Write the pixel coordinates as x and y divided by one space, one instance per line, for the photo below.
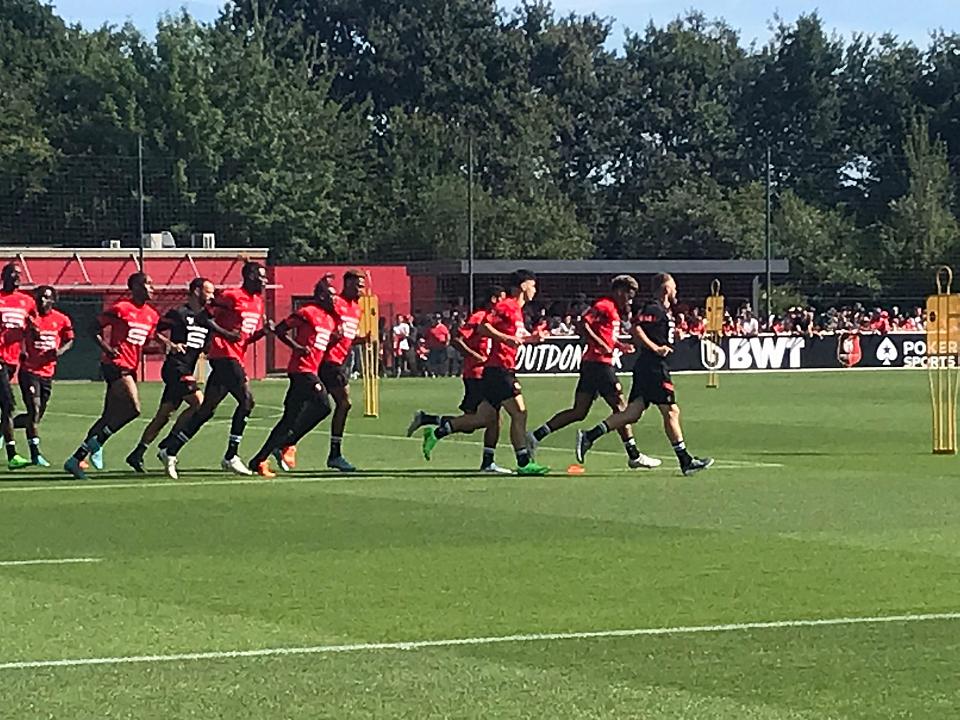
111 373
334 376
35 388
472 395
598 379
7 401
228 374
499 385
653 385
176 385
304 388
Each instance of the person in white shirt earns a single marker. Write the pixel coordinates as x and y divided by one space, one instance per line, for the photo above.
401 345
749 326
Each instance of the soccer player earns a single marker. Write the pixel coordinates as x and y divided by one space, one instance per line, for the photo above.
504 325
475 348
122 331
238 312
333 371
189 326
49 335
600 327
15 309
653 332
307 332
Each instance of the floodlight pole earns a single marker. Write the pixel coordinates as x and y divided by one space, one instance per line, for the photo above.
470 222
140 178
768 245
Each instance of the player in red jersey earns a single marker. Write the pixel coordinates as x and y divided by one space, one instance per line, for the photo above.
601 328
307 332
238 312
504 324
475 349
333 370
16 307
122 331
49 335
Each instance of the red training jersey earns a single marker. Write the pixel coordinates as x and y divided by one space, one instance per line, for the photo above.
507 317
313 327
48 334
235 310
603 318
130 328
473 368
348 313
15 307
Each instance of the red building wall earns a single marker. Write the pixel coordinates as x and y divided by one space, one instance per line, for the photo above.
390 283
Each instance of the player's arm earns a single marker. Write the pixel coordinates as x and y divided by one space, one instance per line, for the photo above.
165 324
460 345
268 327
645 341
104 320
488 330
207 319
586 329
285 330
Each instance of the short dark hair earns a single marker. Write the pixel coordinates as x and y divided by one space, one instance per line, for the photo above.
659 280
250 266
519 277
9 269
492 291
138 278
39 291
353 274
623 282
197 283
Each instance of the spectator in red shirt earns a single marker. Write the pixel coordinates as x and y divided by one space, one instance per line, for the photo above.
880 322
438 338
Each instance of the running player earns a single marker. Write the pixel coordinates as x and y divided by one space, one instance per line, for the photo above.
601 327
15 309
475 348
307 332
122 332
652 385
238 312
333 370
504 324
189 326
49 335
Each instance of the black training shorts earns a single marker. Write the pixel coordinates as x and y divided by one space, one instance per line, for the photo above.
652 384
598 379
499 385
176 385
472 395
35 388
227 373
111 373
334 376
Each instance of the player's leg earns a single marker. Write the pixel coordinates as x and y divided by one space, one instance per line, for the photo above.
491 436
193 401
635 458
35 403
216 392
159 421
516 408
628 415
293 402
7 407
121 406
582 402
485 415
338 384
238 422
671 426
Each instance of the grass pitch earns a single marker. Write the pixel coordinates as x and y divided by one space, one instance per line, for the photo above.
825 503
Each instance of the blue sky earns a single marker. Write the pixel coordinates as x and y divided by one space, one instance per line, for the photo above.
909 20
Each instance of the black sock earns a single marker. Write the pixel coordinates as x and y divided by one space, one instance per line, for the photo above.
11 449
488 454
680 448
140 450
631 447
541 432
523 457
444 429
335 447
34 443
428 419
597 432
233 446
103 435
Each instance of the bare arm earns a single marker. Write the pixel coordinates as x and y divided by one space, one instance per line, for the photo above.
587 330
465 349
283 331
98 336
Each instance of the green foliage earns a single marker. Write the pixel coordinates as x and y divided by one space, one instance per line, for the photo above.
338 130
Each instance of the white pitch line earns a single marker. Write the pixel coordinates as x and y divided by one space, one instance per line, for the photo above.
461 642
72 485
49 561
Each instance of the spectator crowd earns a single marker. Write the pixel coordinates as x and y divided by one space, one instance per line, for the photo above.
420 344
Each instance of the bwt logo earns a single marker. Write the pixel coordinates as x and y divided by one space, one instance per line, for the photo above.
765 353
